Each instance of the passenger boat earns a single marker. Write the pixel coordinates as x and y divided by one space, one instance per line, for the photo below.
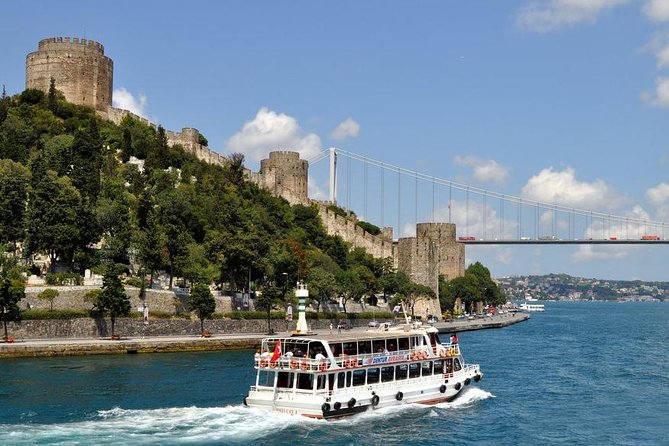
532 307
336 375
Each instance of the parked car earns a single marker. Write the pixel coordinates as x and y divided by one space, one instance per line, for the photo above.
373 324
343 325
389 323
432 320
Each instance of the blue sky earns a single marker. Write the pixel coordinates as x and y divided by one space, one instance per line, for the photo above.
558 100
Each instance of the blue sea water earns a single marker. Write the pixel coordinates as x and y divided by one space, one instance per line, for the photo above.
582 373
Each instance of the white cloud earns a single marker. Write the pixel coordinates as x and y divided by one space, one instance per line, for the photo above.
587 253
269 131
316 191
658 194
408 230
660 97
659 46
484 170
657 10
348 128
122 98
562 188
554 14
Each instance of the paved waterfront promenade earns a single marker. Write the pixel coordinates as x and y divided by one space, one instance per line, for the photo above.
219 341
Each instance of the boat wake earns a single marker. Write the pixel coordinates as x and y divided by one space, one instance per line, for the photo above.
187 425
234 424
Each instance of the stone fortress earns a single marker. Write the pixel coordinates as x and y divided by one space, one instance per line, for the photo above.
84 74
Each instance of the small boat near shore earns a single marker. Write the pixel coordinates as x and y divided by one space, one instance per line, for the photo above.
532 308
335 375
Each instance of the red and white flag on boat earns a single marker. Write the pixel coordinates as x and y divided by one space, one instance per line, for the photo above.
277 352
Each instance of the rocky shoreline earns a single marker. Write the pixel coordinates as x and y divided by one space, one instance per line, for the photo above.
190 342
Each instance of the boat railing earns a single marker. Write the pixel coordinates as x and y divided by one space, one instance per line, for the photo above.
353 361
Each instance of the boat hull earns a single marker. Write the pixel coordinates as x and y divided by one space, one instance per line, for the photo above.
337 405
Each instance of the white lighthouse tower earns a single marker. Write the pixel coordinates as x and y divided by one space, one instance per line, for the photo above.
301 292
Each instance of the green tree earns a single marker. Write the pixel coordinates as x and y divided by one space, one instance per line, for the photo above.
113 299
488 290
12 289
14 180
52 97
270 295
87 160
466 288
54 218
202 302
322 286
49 294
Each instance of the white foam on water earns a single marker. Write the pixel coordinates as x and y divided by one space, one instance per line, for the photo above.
234 424
184 425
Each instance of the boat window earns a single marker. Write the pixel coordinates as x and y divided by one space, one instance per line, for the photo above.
305 381
359 377
427 368
403 343
416 341
341 380
401 371
336 349
266 378
414 370
456 364
438 367
350 348
392 345
364 347
320 382
448 365
379 345
331 380
348 379
373 375
387 374
285 380
315 347
436 338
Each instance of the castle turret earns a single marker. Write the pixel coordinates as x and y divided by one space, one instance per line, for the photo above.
285 175
80 68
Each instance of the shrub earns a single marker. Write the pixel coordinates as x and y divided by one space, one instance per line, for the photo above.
59 279
372 229
57 314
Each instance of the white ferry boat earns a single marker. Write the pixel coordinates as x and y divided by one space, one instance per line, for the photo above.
336 375
532 307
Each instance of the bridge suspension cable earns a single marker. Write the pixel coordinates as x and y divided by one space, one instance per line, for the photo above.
591 216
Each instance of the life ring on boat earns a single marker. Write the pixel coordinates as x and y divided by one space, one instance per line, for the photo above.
467 381
323 366
442 353
453 353
337 405
244 401
294 364
442 389
477 378
304 365
351 403
262 363
325 407
273 365
458 386
414 356
399 396
375 400
424 355
352 363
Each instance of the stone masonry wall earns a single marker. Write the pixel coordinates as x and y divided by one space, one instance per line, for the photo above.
79 67
379 246
418 258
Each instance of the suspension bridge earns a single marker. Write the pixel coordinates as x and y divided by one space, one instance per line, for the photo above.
387 195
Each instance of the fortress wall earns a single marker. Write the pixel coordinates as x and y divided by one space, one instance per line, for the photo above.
451 254
79 67
377 245
285 175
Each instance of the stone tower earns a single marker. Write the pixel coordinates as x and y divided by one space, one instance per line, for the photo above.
79 66
285 175
450 253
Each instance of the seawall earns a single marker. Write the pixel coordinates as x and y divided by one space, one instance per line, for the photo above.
144 342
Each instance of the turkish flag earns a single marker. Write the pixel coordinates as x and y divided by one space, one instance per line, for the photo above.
277 352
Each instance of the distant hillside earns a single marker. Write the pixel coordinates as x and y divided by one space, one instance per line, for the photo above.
565 287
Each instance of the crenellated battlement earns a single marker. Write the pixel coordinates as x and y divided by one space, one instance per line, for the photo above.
58 42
